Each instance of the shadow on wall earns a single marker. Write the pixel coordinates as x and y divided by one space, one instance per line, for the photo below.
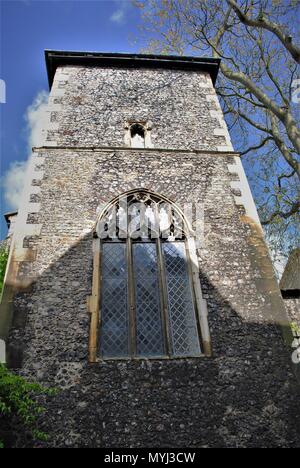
245 396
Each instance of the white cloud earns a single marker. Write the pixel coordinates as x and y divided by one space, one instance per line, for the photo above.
13 180
118 16
122 8
35 119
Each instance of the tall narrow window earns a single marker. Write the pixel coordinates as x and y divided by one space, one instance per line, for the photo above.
148 306
114 300
137 136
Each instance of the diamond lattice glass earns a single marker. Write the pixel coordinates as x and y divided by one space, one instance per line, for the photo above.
147 297
185 340
114 309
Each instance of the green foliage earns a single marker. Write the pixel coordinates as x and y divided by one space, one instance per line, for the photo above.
295 329
3 262
18 399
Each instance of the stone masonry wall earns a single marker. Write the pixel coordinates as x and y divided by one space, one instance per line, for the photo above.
293 310
244 396
89 107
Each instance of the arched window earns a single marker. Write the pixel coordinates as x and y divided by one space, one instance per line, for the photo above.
146 300
137 136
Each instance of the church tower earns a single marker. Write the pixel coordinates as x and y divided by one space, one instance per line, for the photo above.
139 283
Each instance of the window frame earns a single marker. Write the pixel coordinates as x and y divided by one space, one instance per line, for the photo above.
199 304
142 129
147 127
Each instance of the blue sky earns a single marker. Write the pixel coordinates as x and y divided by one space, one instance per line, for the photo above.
30 26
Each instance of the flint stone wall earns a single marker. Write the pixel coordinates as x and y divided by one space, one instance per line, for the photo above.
91 106
246 395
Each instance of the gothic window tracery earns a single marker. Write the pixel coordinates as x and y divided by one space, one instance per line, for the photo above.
147 305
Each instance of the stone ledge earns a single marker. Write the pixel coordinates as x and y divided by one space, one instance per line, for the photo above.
54 146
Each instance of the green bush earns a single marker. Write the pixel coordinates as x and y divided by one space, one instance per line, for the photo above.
295 329
3 263
17 396
18 400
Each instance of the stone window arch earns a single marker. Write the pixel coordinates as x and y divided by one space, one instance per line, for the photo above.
146 295
138 134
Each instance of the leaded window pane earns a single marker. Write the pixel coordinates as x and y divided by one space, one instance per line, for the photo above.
183 325
147 299
114 331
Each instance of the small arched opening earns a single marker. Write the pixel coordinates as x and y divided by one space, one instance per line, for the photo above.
137 135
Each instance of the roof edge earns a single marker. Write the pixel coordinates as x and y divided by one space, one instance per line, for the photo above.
55 58
8 215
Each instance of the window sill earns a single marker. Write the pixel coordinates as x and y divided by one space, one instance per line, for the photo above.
156 358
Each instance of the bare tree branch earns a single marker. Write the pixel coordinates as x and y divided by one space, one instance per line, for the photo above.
285 215
263 22
285 176
256 81
260 145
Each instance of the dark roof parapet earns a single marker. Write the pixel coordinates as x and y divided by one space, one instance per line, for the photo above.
8 216
56 58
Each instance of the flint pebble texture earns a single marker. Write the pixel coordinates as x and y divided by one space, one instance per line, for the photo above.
96 103
293 309
246 395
